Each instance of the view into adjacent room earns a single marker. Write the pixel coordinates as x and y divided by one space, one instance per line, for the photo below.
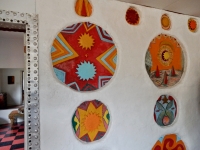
12 65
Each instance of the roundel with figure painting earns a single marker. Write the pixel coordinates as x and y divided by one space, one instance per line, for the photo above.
84 56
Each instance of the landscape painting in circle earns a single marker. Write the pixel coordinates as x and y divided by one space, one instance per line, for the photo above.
164 61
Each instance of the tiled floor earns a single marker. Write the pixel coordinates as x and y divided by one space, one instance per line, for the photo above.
12 138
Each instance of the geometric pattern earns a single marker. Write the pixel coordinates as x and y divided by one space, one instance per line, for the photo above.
103 80
107 59
61 50
165 110
60 74
169 142
12 137
164 61
83 8
82 55
90 121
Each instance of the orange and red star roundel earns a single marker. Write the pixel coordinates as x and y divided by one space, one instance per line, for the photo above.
84 56
90 121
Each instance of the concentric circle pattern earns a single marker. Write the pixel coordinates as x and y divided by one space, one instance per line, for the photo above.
90 121
84 56
164 61
165 110
165 22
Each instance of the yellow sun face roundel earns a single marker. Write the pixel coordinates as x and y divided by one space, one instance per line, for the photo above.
90 121
86 41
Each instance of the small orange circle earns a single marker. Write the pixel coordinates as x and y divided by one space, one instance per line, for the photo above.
165 22
192 25
92 122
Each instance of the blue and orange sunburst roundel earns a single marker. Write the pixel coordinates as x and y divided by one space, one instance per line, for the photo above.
84 56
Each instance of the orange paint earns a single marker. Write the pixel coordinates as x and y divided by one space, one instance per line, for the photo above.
169 142
165 22
92 122
154 49
192 25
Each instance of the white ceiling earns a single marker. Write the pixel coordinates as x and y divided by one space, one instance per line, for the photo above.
188 7
11 34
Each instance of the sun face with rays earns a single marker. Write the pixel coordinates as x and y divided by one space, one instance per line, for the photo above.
91 121
165 55
86 41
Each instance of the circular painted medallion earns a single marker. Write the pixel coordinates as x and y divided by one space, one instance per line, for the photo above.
165 22
164 61
165 110
84 56
90 121
170 141
132 16
192 25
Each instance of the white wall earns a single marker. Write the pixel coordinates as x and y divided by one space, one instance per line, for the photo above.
11 49
130 95
19 5
14 91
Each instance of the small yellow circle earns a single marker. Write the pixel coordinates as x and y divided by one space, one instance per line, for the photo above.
166 55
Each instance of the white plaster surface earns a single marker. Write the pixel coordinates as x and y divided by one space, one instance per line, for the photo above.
27 6
130 96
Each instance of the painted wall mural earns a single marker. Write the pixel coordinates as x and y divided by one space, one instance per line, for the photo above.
165 110
83 8
192 25
132 16
164 61
90 121
169 142
165 22
84 56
